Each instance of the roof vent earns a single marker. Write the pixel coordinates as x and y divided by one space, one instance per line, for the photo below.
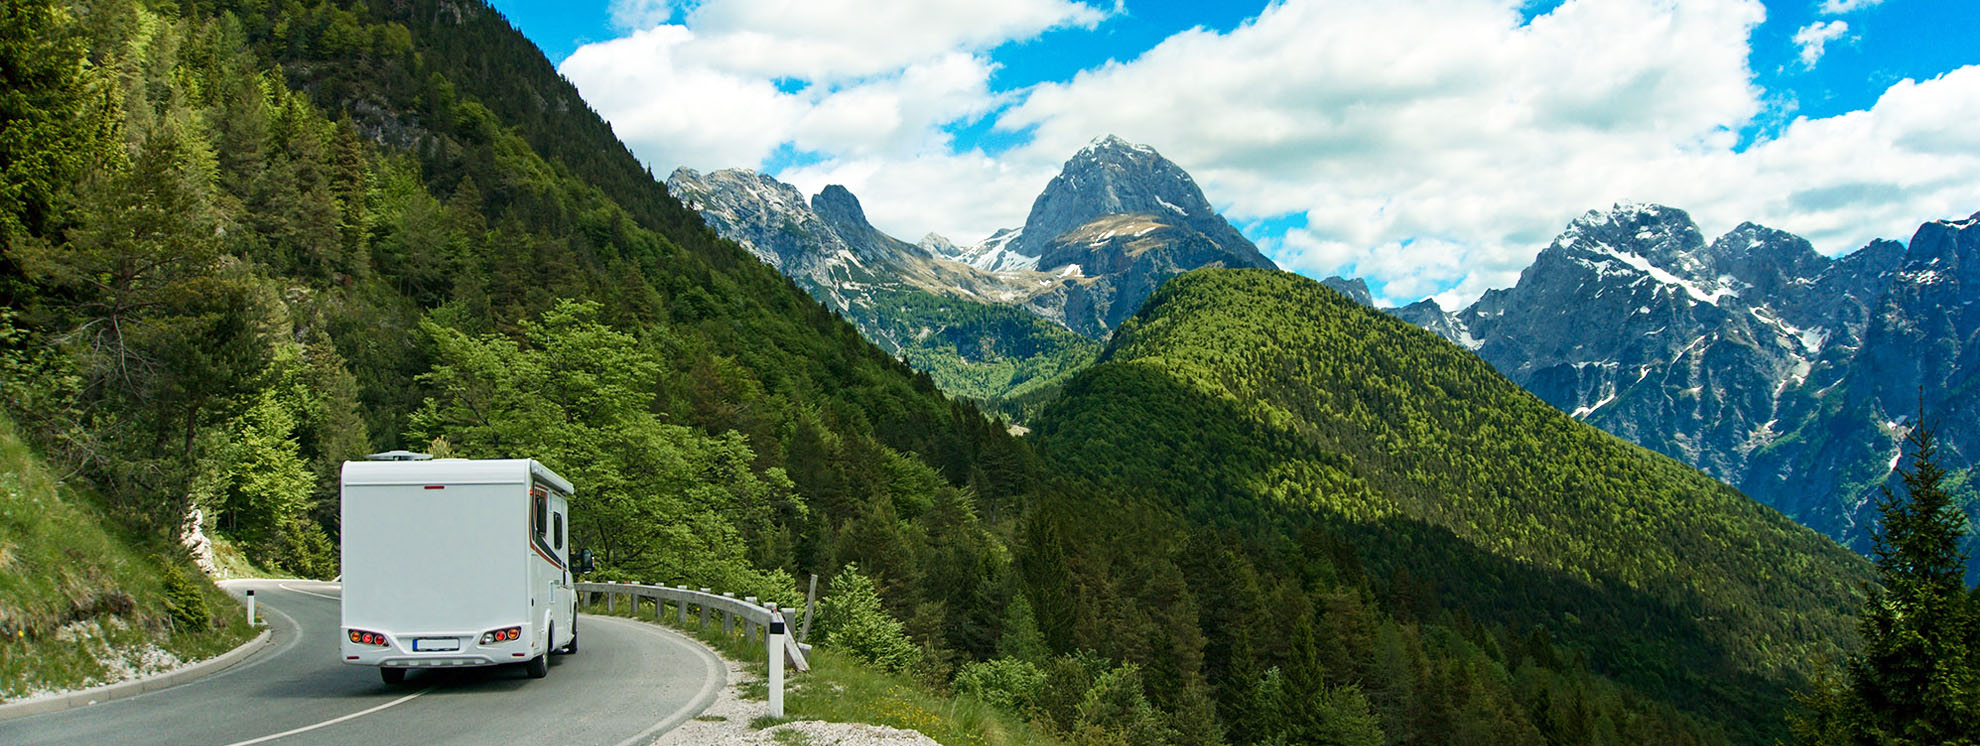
399 456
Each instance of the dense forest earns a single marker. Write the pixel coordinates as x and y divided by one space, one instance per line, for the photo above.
1008 360
247 240
1363 463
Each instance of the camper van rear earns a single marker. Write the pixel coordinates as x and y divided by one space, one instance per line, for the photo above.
453 563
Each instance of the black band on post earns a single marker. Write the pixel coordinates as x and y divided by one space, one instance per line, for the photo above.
777 627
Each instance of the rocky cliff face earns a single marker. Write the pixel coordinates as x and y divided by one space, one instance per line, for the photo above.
1785 373
826 246
1116 222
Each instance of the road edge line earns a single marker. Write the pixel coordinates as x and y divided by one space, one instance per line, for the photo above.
711 687
134 687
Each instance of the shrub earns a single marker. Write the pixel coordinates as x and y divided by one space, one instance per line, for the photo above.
852 621
1009 683
183 601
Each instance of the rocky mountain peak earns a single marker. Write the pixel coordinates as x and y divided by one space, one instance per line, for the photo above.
1948 243
838 206
1666 236
1765 259
1355 289
1111 177
939 245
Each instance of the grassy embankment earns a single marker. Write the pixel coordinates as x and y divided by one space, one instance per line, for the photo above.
843 690
81 602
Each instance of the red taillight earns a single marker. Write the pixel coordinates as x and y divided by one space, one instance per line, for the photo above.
504 634
367 638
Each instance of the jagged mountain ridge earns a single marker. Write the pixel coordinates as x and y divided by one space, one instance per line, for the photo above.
1790 375
1117 221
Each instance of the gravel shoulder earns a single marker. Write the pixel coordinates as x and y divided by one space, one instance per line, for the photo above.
726 723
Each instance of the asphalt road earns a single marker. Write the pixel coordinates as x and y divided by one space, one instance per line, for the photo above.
628 683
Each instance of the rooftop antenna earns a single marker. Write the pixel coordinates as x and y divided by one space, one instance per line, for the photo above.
399 456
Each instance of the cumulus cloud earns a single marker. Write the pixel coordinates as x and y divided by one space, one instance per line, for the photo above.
726 83
1839 7
833 40
1812 38
639 15
1449 125
1432 146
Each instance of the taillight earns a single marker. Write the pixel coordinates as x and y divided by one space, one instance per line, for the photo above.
504 634
363 637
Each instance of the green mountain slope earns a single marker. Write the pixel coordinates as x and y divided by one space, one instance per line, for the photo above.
264 239
1006 357
1262 402
82 604
284 235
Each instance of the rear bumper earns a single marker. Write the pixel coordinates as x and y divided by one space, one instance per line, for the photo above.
397 652
436 660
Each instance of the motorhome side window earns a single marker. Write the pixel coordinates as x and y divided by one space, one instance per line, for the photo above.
559 520
537 522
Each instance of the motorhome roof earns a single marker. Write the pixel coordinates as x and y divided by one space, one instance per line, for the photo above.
452 471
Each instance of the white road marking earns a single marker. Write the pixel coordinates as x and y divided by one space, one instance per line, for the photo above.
715 678
332 721
285 586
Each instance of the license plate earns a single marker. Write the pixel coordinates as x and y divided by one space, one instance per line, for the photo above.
436 643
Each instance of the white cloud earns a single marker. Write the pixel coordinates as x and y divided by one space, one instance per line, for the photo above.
1432 146
965 197
1445 123
1839 7
834 40
639 15
1813 37
867 85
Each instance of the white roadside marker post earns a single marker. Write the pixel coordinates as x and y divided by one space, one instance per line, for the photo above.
250 595
776 643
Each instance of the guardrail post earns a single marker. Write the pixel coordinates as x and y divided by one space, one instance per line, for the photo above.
749 621
728 618
776 650
680 606
704 610
810 609
611 602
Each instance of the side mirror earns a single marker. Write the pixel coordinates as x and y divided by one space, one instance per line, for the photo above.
585 561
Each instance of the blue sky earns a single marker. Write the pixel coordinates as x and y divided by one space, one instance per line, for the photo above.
1432 146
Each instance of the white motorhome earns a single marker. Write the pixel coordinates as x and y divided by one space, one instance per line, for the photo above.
455 562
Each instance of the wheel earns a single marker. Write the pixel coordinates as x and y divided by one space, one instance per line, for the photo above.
537 667
571 647
392 676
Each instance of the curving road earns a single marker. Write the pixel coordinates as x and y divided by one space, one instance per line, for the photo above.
628 683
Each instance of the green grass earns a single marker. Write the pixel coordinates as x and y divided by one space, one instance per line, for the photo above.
844 690
234 564
79 601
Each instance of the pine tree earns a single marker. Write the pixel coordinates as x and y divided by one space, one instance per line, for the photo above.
1916 679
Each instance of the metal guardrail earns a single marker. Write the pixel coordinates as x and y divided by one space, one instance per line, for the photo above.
755 617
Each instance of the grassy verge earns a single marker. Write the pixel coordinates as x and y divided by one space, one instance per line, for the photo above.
844 690
82 604
234 564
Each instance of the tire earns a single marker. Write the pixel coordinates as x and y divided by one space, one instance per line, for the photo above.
537 667
570 647
392 676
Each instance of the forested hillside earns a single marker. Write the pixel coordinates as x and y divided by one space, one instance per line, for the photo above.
1386 485
246 241
262 239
